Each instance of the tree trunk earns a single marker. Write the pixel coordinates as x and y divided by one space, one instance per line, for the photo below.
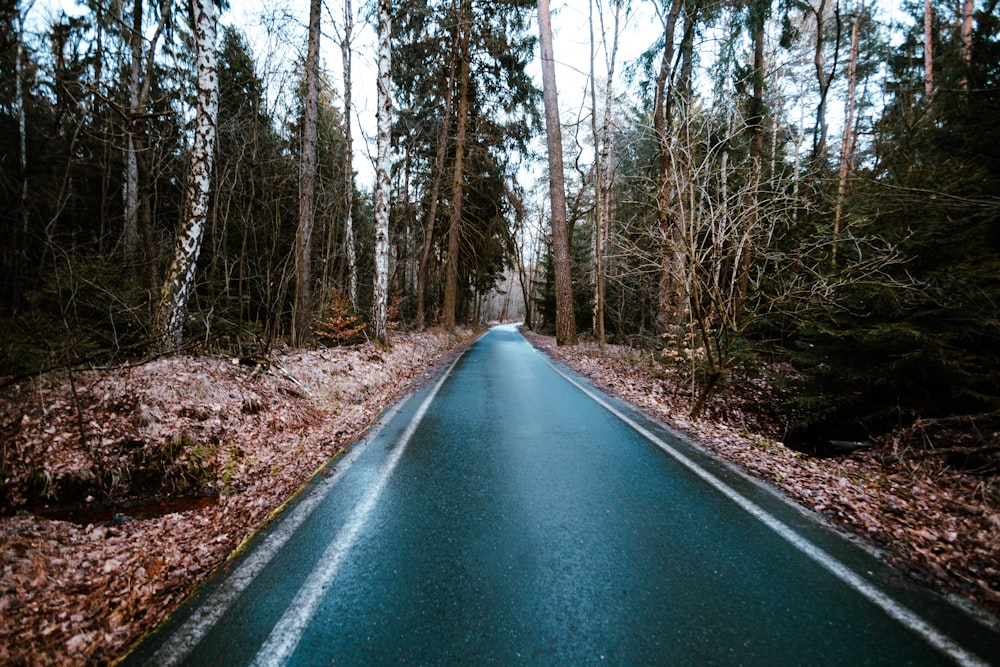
598 195
458 176
965 33
847 141
823 79
669 292
171 310
439 158
565 317
130 186
352 261
759 13
22 131
303 309
380 296
928 52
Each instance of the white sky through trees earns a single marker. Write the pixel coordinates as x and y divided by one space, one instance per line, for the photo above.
276 32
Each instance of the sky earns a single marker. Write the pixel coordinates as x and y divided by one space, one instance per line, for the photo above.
571 48
277 43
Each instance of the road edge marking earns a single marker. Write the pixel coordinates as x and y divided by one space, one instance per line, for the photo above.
895 610
287 633
183 640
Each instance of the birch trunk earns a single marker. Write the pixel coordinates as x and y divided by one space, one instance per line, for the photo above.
565 317
171 310
302 310
380 296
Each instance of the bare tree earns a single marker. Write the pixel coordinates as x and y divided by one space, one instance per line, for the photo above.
302 310
380 296
171 310
565 317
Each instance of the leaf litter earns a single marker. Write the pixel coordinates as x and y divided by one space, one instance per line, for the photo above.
120 490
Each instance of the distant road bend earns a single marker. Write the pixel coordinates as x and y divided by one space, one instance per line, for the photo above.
510 514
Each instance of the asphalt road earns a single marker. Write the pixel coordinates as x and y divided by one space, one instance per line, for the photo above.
510 515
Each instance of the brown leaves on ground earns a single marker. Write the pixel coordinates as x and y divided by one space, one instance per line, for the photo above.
238 438
938 523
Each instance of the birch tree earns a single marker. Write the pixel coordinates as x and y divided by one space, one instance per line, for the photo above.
565 319
302 309
380 296
171 310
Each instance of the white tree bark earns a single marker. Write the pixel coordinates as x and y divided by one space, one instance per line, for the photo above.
380 298
302 310
172 308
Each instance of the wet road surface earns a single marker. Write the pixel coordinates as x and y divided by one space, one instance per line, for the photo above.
510 515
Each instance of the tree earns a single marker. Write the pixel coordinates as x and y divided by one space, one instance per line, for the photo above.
350 252
172 307
458 170
380 297
436 42
565 324
303 309
670 294
603 170
847 139
437 176
928 53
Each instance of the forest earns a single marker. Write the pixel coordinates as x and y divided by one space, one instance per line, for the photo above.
805 185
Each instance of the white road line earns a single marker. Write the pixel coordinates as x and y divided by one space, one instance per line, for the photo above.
185 638
894 609
287 633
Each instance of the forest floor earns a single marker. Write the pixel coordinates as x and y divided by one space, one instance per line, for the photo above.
120 490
